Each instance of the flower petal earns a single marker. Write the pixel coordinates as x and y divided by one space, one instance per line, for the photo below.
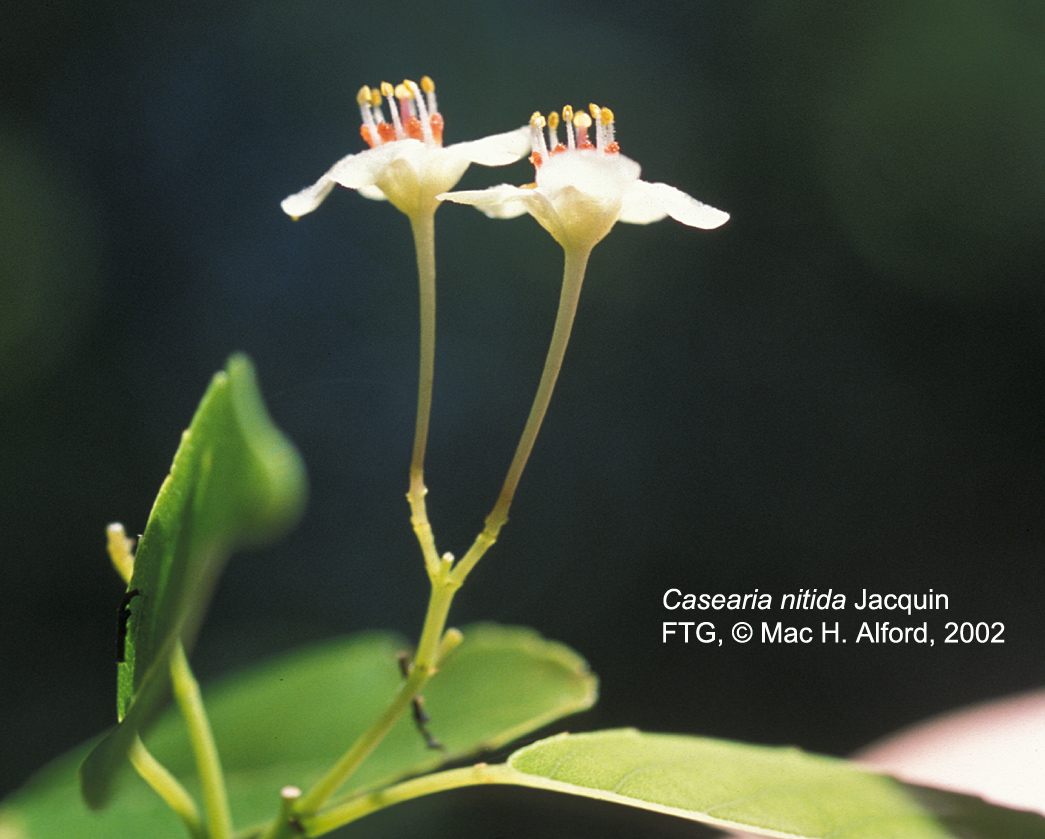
354 171
308 199
645 202
374 193
495 150
365 167
501 201
602 177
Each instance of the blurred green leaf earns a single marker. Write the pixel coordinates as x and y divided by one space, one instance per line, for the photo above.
758 789
286 721
235 482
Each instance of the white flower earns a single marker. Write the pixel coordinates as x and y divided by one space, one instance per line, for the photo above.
583 189
406 162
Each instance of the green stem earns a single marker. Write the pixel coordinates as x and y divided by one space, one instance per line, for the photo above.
422 223
363 747
446 578
573 278
434 642
433 645
156 775
187 695
363 805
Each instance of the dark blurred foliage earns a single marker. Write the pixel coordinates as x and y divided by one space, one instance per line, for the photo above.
841 388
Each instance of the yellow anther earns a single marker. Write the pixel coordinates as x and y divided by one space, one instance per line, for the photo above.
427 85
387 90
606 116
403 91
537 120
594 111
553 120
363 97
582 120
375 97
567 114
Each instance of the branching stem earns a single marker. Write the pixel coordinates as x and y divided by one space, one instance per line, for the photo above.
434 644
445 576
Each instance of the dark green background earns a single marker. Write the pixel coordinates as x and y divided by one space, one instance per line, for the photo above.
841 388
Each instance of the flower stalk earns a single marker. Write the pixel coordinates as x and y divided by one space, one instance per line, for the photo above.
407 165
576 263
422 224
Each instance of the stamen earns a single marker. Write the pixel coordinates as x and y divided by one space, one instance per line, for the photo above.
609 144
428 86
596 114
406 98
539 150
567 119
389 93
435 119
553 135
411 124
422 117
369 128
582 122
385 130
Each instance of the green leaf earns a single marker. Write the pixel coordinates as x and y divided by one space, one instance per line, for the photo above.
235 482
758 789
286 721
